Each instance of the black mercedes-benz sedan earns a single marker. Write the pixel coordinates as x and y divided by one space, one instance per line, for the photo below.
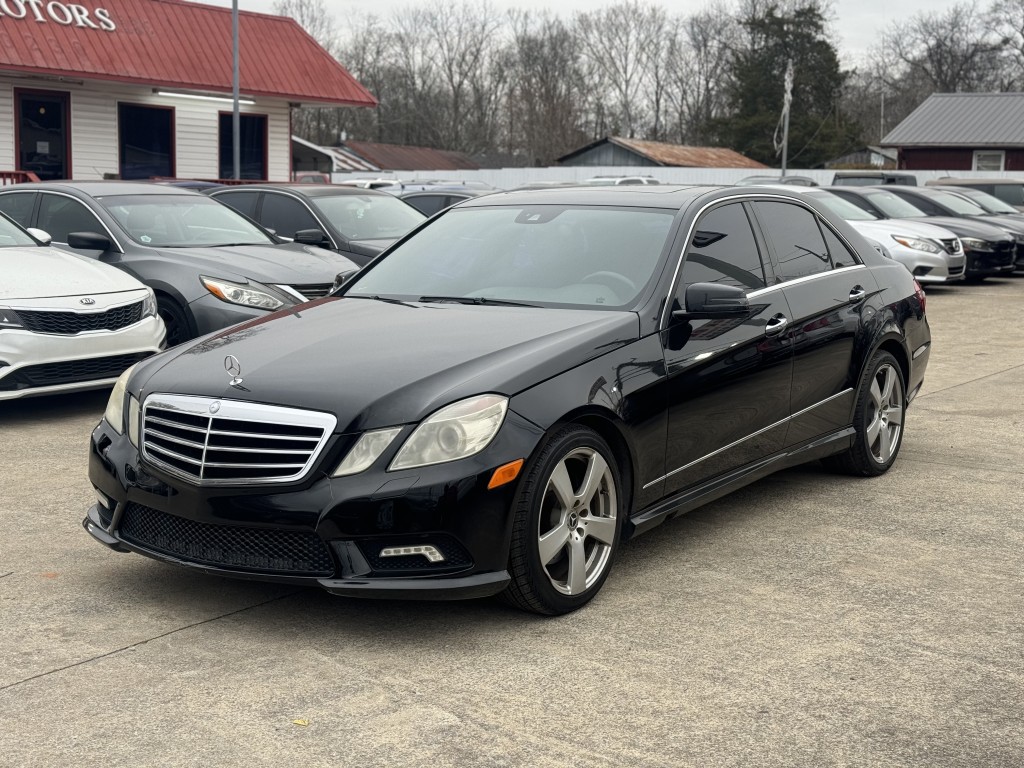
511 391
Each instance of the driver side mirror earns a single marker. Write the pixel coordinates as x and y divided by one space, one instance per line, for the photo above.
712 301
341 278
40 235
89 241
310 237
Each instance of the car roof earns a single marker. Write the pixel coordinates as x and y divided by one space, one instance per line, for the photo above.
105 188
306 190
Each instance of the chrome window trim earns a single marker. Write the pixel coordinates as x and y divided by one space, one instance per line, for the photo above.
88 207
804 279
741 198
236 410
778 423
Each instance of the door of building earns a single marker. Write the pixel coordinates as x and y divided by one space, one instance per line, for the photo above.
44 133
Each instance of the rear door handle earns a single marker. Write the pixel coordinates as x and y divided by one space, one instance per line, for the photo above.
776 325
857 293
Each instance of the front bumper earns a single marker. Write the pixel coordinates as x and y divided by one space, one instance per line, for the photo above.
988 263
325 532
929 267
40 363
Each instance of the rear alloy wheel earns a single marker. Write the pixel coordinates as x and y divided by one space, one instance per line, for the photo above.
878 420
568 524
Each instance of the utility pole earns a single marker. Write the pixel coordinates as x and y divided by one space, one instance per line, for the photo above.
236 117
881 119
787 101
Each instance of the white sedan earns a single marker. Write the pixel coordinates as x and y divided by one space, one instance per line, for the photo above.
67 323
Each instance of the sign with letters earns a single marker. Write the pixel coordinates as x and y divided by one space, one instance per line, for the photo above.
56 12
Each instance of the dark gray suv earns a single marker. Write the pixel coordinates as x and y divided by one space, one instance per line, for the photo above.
210 266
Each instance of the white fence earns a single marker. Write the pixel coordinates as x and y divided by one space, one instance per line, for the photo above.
508 178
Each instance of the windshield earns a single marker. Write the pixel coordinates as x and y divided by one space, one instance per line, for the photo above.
12 234
989 203
894 207
547 255
368 217
956 203
182 221
844 209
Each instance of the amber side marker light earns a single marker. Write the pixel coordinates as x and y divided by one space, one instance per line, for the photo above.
505 474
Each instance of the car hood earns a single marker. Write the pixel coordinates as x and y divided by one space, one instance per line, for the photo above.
287 263
377 364
370 248
883 229
962 227
1006 221
38 273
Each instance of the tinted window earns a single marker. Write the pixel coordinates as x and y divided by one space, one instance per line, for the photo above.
428 205
723 250
59 216
799 246
286 215
841 255
365 217
1008 193
243 202
954 203
843 208
18 205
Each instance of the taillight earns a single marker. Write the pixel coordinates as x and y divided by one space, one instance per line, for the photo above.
919 292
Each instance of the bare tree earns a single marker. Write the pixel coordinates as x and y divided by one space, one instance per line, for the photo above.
312 16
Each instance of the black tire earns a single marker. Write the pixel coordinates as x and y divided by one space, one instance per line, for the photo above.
590 523
878 419
179 329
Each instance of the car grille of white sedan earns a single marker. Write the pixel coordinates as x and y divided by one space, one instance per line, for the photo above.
71 323
207 441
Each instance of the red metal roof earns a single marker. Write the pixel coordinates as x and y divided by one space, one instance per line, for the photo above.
399 157
178 44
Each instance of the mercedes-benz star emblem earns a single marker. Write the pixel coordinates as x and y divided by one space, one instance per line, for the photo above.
214 407
87 301
234 369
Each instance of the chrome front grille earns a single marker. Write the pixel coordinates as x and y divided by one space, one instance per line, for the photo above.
313 290
207 441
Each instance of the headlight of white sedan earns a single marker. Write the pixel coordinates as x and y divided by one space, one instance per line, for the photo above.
115 405
457 431
248 295
917 244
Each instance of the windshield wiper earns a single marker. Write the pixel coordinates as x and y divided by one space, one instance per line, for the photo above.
478 300
386 299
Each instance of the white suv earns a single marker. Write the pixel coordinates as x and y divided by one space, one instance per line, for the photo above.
67 322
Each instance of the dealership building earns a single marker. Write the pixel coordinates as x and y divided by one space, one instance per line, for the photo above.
138 89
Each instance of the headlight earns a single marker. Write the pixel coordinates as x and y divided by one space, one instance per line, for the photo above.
133 420
115 405
974 244
149 306
366 451
459 430
9 319
917 244
249 295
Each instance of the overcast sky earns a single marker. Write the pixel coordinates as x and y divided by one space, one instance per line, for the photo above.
857 22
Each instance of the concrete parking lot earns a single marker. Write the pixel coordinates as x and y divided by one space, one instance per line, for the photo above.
808 620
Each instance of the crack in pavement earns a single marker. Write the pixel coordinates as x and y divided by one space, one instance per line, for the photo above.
168 633
5 575
965 383
979 467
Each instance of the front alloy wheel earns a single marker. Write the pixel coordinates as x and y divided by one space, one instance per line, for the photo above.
568 523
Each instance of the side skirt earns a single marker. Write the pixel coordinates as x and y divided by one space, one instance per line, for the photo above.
691 498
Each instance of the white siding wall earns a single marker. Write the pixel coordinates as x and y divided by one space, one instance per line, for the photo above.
94 149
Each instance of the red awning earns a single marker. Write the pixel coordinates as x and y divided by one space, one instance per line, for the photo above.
173 44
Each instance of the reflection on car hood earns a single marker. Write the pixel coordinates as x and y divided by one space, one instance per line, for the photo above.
376 364
962 227
288 263
36 273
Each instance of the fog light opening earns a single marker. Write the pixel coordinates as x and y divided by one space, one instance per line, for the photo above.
921 271
105 501
429 551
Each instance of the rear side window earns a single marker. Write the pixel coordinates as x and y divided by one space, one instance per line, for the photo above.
243 202
841 255
59 216
799 246
18 205
723 250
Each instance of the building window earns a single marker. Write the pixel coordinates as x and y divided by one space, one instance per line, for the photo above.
145 141
987 160
253 133
42 133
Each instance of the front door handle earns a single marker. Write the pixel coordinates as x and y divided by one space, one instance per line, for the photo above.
857 293
776 325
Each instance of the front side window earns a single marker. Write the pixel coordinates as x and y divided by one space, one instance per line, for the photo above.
243 202
956 204
546 255
798 242
367 217
286 215
844 209
59 216
723 250
894 206
181 221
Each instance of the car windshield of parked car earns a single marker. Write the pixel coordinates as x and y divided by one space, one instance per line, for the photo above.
956 203
182 221
545 255
12 234
368 217
843 208
895 207
990 203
